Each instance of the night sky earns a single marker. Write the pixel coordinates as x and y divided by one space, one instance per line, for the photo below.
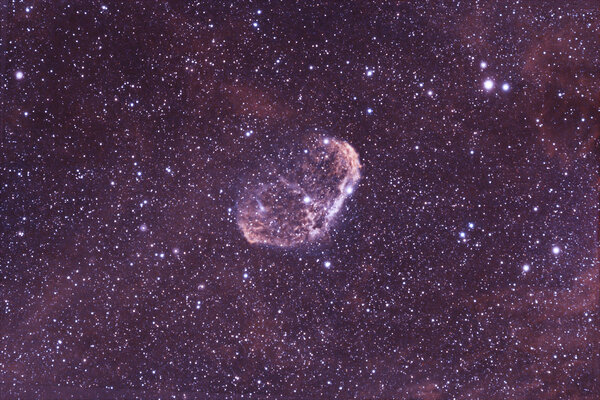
299 199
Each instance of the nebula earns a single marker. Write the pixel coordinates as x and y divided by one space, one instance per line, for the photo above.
299 198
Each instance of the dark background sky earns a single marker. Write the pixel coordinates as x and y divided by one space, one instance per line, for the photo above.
464 265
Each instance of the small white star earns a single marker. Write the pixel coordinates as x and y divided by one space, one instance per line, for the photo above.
19 75
526 268
483 65
555 250
369 111
327 264
488 84
505 87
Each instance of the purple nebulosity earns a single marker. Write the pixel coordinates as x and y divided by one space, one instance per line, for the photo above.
171 229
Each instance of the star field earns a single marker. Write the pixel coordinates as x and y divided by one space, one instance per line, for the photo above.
462 265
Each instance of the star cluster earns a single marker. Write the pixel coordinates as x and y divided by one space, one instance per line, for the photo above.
463 264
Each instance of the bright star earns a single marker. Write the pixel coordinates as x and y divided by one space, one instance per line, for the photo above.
556 250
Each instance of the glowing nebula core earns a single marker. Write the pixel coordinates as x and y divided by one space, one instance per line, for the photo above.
297 200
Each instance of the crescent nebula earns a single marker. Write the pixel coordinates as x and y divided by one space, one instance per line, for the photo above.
297 199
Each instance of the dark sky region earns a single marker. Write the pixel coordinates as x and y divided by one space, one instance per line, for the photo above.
135 136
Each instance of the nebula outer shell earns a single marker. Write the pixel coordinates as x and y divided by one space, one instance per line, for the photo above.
297 201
